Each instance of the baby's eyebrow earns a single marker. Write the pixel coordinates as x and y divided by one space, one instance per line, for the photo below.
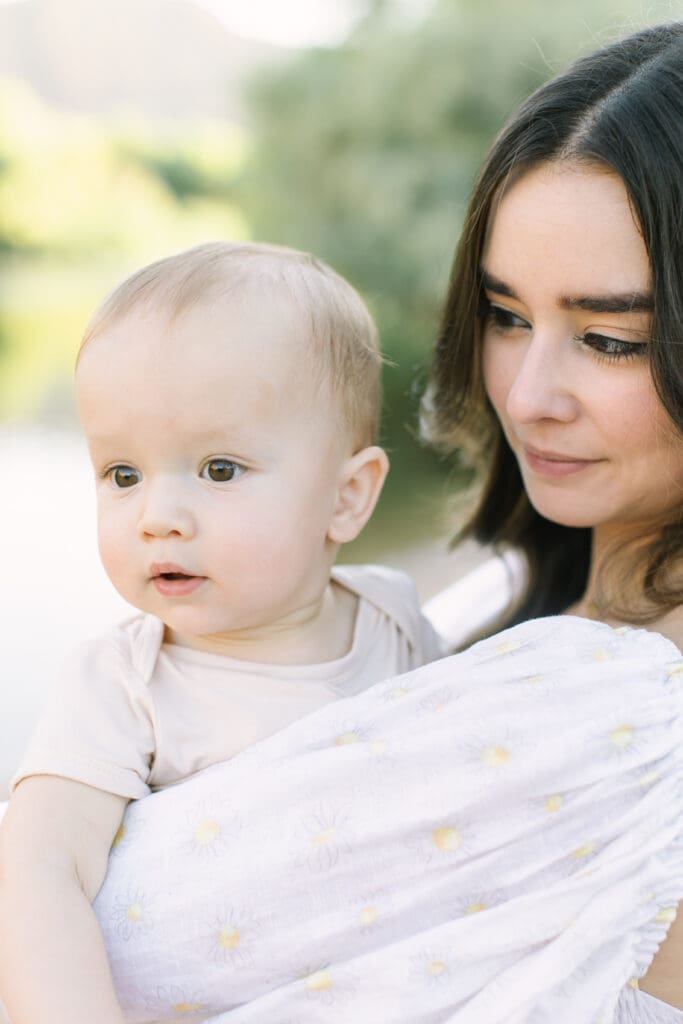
628 302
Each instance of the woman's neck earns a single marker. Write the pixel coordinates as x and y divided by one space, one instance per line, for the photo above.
616 584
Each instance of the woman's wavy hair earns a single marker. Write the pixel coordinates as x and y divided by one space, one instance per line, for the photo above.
621 107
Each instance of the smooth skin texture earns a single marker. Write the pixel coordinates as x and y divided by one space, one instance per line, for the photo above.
567 282
216 453
226 479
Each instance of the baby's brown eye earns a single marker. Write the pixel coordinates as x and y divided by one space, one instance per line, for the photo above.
125 476
220 470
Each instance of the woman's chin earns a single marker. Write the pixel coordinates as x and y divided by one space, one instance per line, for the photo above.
567 513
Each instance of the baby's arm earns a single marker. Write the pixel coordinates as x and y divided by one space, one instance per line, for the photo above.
54 843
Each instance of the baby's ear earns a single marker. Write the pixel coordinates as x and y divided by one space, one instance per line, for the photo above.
360 483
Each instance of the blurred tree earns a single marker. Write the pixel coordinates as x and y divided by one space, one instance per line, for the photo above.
365 155
72 187
82 203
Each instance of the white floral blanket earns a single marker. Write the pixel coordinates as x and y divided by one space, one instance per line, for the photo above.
493 839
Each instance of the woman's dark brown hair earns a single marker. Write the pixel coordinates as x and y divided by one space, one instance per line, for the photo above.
621 107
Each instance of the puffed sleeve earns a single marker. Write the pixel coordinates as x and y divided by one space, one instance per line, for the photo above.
97 725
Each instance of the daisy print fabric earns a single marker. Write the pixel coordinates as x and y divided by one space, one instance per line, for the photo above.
492 839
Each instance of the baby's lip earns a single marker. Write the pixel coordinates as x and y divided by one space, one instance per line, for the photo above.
170 569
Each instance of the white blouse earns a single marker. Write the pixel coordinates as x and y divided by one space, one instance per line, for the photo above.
496 838
637 1007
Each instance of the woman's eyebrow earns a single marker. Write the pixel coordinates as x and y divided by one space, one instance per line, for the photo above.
628 302
494 284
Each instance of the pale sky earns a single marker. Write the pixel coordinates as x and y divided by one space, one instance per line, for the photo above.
293 22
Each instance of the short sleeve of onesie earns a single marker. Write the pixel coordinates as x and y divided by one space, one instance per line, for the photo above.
97 726
131 714
394 592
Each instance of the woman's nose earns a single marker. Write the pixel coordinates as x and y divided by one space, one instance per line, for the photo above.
166 511
543 384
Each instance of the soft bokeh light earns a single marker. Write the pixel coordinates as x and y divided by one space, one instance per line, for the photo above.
298 23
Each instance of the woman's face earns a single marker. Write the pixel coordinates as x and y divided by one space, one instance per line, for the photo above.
565 350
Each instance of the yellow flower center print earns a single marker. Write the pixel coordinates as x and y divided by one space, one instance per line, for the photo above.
120 833
186 1007
134 912
475 908
584 850
321 838
495 756
446 839
622 736
319 981
508 646
207 832
229 937
368 915
435 968
345 738
553 803
667 915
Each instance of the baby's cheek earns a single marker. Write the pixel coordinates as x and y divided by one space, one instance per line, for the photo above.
115 553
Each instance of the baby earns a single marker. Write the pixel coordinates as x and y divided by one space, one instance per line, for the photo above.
230 396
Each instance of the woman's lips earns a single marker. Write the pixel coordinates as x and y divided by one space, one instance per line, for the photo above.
552 464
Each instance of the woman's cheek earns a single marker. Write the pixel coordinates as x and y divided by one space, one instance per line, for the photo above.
496 375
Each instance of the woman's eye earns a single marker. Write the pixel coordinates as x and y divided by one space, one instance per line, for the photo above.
221 471
503 319
124 476
613 348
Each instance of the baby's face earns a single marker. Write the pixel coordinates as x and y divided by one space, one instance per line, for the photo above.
216 461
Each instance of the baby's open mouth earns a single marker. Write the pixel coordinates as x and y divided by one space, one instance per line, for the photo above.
172 581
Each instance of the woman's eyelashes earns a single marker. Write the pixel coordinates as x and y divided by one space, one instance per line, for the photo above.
611 348
501 319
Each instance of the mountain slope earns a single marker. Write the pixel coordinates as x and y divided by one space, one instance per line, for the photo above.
162 58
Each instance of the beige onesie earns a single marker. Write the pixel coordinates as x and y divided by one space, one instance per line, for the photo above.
133 714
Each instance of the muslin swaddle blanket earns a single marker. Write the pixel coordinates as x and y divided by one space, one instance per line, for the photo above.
493 838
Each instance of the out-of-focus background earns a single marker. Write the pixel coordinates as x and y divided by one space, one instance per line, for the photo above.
133 128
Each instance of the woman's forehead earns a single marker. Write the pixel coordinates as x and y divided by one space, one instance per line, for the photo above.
569 228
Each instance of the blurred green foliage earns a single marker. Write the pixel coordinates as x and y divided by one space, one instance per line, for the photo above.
84 202
366 155
363 154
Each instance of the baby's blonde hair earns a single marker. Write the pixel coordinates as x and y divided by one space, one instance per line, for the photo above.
344 341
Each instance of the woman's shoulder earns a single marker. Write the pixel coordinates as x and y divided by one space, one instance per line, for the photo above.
637 1007
671 627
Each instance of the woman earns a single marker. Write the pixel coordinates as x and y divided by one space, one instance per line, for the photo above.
499 836
561 351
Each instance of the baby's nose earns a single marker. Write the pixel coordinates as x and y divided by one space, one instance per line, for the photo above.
165 512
